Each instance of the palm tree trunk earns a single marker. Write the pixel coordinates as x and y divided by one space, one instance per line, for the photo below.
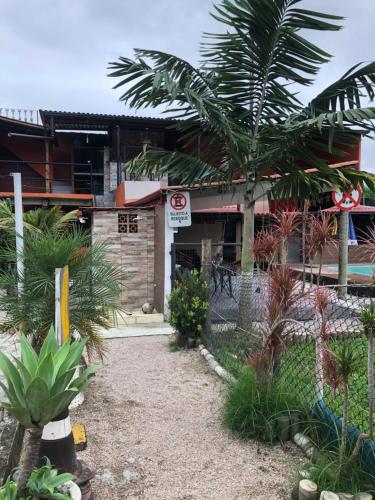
344 429
247 257
304 221
343 254
245 316
31 456
370 378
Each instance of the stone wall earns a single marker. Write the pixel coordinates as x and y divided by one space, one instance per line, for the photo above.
132 251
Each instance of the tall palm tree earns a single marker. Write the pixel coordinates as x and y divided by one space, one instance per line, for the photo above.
242 100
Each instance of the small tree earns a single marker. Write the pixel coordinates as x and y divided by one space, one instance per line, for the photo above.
368 322
40 387
188 306
321 237
284 226
282 294
338 368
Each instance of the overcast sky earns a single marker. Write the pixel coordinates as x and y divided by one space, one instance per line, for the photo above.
54 53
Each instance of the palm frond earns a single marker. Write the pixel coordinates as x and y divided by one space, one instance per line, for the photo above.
348 91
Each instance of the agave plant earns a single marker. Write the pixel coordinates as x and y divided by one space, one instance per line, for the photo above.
40 387
45 481
9 490
368 322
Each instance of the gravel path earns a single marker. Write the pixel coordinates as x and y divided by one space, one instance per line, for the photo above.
153 424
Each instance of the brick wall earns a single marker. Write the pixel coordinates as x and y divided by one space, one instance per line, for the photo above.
159 257
134 252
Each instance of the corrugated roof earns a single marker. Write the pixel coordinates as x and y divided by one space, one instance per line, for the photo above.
44 113
360 209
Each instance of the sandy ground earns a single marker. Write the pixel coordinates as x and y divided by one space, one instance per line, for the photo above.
153 424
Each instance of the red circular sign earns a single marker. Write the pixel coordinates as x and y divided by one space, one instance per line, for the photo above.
349 200
178 201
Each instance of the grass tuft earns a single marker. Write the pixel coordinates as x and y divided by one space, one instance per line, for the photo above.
252 412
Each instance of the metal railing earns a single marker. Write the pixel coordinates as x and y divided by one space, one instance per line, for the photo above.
76 183
22 114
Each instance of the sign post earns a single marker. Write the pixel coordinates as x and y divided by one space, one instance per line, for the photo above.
62 325
18 213
178 209
345 202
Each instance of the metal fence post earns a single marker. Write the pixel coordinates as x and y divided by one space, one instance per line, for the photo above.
206 259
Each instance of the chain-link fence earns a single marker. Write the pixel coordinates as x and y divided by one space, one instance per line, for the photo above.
243 314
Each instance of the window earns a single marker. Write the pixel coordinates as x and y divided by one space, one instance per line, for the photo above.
88 170
127 223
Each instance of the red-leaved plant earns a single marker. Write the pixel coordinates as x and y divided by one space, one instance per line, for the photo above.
284 226
337 369
265 247
282 293
321 236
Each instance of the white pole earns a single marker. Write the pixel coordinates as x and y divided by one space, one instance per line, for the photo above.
18 210
58 329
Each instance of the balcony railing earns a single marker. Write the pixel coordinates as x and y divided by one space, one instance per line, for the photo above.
35 180
23 115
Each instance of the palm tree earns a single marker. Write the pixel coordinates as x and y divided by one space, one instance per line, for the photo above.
40 387
242 100
94 290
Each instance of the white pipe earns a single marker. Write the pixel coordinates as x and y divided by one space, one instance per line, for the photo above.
18 211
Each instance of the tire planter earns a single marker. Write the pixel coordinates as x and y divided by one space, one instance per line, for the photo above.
74 491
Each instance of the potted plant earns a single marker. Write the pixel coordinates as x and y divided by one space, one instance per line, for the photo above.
188 305
39 387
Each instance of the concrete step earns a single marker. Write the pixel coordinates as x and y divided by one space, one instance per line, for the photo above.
139 318
137 330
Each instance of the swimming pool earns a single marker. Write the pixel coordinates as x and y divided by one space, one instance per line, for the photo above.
363 269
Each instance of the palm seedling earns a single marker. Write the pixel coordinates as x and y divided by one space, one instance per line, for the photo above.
368 322
94 292
37 220
39 387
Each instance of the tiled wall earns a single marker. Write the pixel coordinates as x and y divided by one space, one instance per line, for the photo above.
133 251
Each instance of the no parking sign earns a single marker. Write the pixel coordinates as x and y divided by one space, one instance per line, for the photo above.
178 209
347 201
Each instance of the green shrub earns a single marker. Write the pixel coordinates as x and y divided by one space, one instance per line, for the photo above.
252 411
188 306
